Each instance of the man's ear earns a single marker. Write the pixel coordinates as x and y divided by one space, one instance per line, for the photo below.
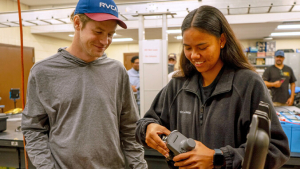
77 23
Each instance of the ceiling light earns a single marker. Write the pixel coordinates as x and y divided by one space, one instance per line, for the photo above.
288 26
178 37
174 31
285 33
71 35
268 38
122 39
115 34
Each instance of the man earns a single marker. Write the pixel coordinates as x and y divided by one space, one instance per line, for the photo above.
172 60
277 78
80 111
134 78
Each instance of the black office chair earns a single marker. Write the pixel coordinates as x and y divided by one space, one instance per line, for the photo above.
258 138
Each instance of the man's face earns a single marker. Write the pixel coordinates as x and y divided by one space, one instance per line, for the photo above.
172 61
95 37
279 60
136 65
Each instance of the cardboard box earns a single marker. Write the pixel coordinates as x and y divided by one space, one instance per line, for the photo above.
252 58
261 54
271 46
252 50
261 46
270 53
260 61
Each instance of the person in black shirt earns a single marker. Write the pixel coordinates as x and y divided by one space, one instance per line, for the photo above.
277 78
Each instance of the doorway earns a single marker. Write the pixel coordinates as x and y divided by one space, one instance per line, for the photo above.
127 59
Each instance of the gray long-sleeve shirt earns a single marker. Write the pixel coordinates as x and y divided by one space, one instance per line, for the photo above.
80 115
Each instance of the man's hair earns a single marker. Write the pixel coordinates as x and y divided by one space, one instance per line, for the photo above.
83 19
134 58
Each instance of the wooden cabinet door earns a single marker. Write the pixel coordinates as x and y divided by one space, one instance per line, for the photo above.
10 72
127 59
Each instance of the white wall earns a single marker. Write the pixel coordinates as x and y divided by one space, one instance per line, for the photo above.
115 51
43 46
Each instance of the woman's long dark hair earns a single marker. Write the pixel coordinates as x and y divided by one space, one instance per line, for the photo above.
212 21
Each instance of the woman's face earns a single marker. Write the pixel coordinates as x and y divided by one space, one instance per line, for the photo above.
203 50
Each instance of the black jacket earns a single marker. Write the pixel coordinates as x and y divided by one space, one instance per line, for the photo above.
223 120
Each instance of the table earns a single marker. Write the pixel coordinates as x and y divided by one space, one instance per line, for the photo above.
12 153
11 145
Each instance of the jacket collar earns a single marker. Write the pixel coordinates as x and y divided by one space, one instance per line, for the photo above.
224 84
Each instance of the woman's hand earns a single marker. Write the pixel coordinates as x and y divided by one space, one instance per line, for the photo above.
201 157
154 141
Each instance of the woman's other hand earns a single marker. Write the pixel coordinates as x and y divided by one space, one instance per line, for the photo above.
200 157
154 141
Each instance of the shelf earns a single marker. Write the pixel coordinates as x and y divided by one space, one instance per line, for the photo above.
264 57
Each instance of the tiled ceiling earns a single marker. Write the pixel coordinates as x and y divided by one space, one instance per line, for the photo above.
236 7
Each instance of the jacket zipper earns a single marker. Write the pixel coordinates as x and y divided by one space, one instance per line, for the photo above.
199 135
201 120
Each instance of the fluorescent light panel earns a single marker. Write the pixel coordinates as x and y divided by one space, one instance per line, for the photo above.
178 37
268 38
288 26
285 34
122 39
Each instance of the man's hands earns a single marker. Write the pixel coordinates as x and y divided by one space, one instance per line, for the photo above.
133 88
201 158
277 84
154 141
290 101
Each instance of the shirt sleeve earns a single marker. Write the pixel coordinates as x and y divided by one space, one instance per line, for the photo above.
35 127
293 78
134 152
278 152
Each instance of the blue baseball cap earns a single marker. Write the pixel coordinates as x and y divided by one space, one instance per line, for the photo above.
279 53
99 10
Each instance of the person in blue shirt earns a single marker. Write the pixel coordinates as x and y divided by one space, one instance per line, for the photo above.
134 78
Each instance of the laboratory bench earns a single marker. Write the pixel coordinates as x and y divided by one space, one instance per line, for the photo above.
12 150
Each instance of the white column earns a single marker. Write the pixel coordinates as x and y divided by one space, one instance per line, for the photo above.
164 50
142 88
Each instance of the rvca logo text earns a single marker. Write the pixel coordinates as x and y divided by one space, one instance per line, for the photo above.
104 5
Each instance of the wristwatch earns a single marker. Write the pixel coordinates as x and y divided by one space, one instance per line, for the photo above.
218 159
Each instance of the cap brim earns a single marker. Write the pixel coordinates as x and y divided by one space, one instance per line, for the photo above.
105 17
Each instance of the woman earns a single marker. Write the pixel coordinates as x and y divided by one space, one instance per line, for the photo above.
212 99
